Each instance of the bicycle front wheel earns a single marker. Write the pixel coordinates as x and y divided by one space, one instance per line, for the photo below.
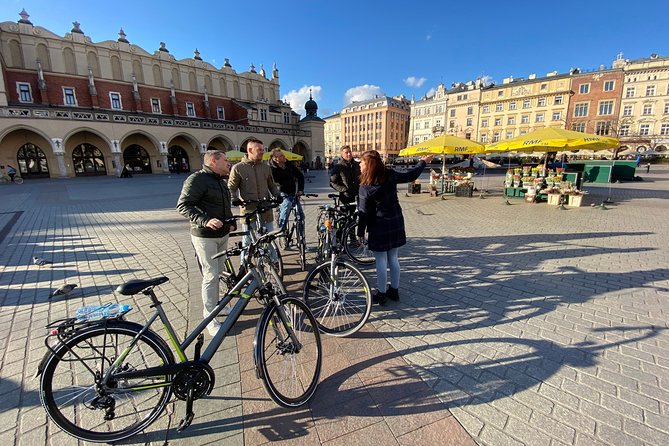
358 252
76 400
341 300
301 244
289 370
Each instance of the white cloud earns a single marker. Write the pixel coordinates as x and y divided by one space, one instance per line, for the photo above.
297 98
362 93
487 80
428 37
413 81
431 92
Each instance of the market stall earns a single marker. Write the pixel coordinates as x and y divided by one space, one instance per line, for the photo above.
540 184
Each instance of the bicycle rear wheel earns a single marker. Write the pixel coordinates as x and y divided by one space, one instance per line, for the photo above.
301 244
74 400
18 180
341 302
289 372
358 252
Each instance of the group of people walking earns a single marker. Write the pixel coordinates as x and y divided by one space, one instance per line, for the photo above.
207 195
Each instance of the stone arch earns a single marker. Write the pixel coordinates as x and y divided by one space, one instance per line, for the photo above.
69 61
16 54
16 138
88 152
94 63
302 149
140 150
261 92
44 56
138 70
117 71
176 79
220 142
208 85
157 76
249 92
222 85
236 90
278 143
191 148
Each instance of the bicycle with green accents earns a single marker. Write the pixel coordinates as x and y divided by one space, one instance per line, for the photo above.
106 380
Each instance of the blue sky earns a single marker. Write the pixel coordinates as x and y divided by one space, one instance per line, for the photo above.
347 50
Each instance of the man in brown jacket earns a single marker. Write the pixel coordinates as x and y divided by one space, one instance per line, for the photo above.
251 179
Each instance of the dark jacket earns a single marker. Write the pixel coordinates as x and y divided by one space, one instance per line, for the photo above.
204 196
345 179
380 211
285 177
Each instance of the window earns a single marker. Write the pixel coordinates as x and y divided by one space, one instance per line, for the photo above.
527 103
511 120
581 109
263 114
68 96
451 124
484 123
155 105
584 88
647 109
426 125
190 109
630 92
544 86
500 93
470 110
509 134
417 126
486 109
512 105
484 139
498 121
627 110
578 127
452 113
558 100
603 128
609 85
470 121
556 116
115 101
499 107
220 113
23 89
644 129
624 130
525 119
541 102
606 108
495 137
540 117
666 108
650 90
664 130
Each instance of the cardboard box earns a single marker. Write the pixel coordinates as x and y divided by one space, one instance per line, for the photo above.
574 200
554 199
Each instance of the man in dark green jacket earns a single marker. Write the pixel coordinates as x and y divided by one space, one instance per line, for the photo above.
205 201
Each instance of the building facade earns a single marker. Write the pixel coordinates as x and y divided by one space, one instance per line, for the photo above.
71 107
463 109
644 110
381 124
428 116
332 137
594 104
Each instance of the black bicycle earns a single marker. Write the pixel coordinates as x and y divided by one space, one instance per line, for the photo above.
295 231
338 223
106 380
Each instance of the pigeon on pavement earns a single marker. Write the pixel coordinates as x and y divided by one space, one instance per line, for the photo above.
65 289
40 262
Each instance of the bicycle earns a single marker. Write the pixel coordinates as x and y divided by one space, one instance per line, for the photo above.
106 380
256 228
339 221
5 179
296 227
338 294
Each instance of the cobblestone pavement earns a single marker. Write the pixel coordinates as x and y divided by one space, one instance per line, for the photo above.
521 323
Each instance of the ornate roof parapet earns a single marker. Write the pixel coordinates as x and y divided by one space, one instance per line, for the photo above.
24 17
121 36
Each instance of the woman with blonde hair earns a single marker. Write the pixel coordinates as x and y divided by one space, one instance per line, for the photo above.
381 216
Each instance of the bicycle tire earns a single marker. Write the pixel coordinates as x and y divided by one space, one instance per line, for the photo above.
275 258
289 377
341 303
359 253
64 367
301 244
18 180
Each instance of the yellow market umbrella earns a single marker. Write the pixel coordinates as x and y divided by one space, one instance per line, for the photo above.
290 156
234 155
444 145
550 139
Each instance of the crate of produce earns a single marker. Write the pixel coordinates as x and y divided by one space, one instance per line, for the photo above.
464 190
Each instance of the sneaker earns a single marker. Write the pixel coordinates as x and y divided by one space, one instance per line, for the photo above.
213 326
393 294
379 298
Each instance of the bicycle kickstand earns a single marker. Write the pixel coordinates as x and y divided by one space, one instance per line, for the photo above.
188 419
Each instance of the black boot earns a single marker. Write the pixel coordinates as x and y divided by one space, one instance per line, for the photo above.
393 294
379 298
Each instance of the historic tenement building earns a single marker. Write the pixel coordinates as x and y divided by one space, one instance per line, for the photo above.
381 123
71 107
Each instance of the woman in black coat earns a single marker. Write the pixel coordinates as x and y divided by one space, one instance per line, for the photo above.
381 216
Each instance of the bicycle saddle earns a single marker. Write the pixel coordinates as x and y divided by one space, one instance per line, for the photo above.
135 286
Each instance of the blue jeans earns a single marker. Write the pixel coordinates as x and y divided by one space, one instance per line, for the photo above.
285 208
385 259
